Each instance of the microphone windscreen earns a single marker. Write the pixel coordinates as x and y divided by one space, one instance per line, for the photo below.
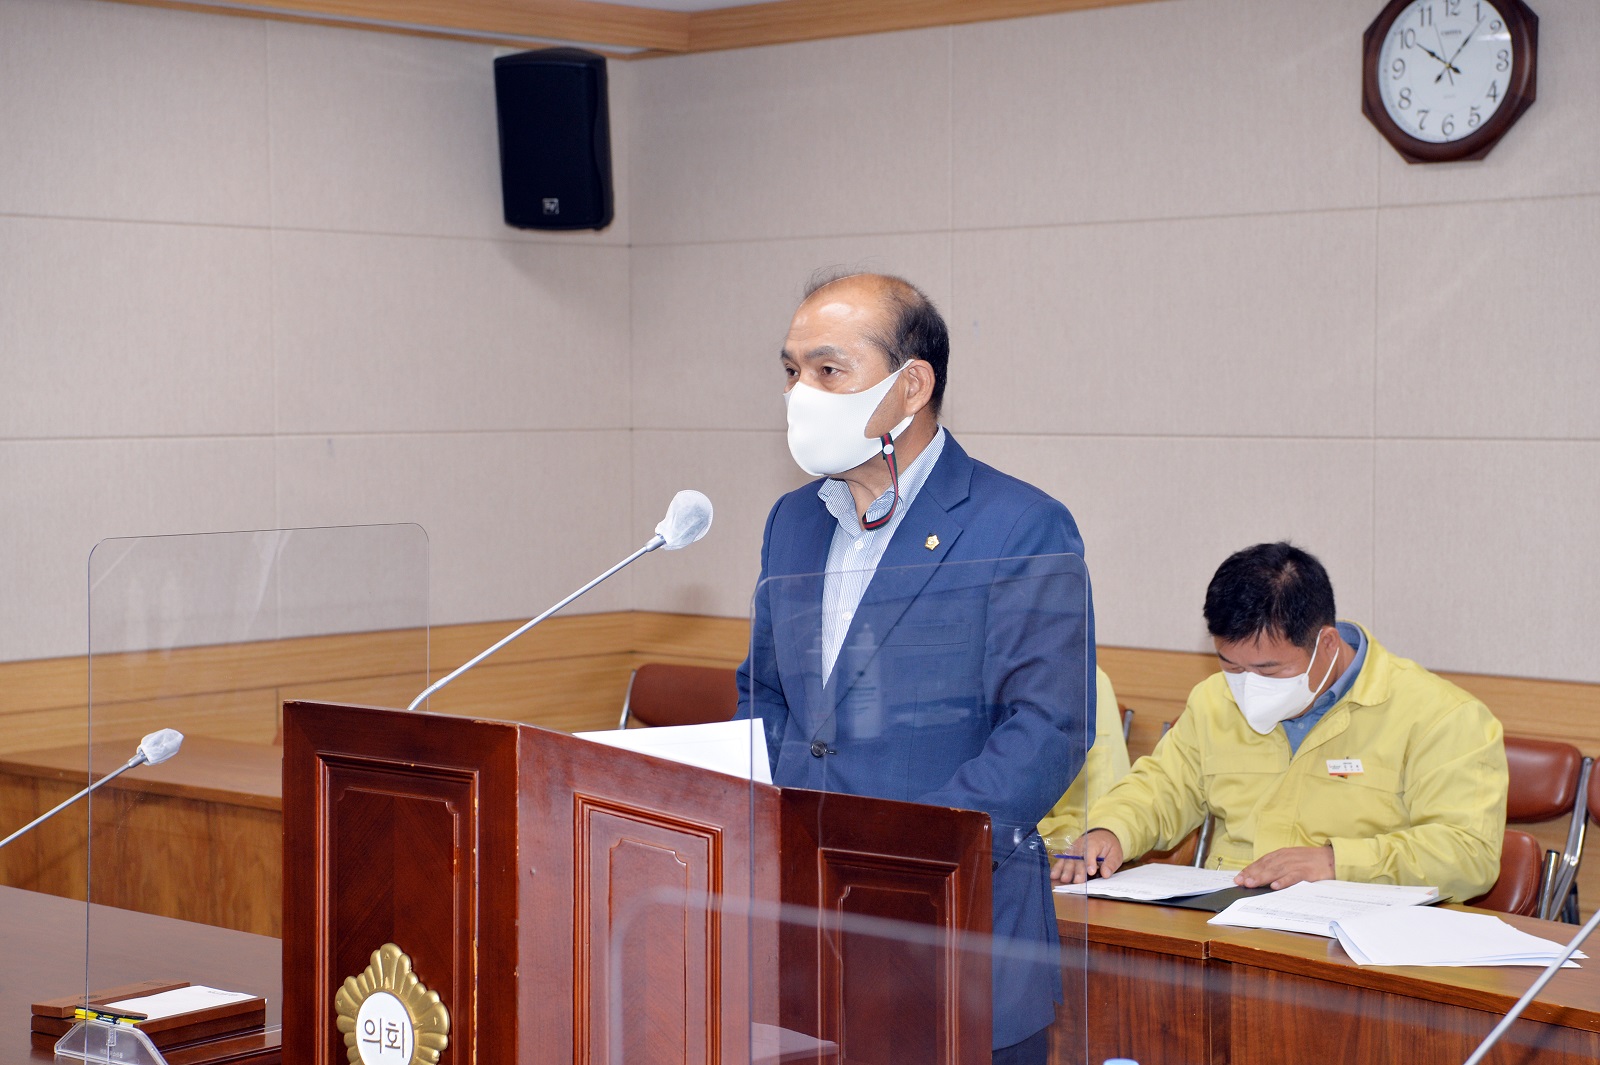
159 746
688 518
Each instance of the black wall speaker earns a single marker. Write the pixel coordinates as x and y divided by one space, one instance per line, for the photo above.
555 139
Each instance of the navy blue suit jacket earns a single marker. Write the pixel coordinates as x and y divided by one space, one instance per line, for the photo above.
966 679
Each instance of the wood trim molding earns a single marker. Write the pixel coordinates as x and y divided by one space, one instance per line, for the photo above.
787 21
628 31
516 23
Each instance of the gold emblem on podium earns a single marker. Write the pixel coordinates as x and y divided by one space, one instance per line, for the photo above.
388 1016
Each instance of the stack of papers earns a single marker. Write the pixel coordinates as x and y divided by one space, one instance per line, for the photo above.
737 748
1442 937
1152 883
1312 907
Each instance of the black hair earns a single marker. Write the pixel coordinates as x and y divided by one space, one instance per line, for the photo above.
914 330
1270 589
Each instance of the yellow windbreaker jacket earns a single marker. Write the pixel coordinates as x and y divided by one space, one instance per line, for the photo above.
1428 807
1106 763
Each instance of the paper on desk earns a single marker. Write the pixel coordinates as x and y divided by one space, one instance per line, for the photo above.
771 1045
738 748
179 1000
1152 883
1441 937
1310 907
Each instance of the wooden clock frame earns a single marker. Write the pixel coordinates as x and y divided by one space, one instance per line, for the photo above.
1523 26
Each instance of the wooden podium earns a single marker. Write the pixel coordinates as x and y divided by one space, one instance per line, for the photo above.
573 902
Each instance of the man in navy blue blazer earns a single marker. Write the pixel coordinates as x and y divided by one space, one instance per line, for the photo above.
923 630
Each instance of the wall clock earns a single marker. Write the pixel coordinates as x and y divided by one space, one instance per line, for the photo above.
1444 79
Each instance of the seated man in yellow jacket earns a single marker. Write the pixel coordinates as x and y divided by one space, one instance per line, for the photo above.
1106 763
1320 754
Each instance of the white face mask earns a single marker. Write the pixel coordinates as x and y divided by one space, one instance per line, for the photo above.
1265 701
828 430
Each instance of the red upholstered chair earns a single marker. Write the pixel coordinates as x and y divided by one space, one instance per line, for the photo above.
1521 866
1547 783
663 694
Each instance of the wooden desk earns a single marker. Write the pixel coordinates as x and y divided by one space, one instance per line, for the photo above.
1160 984
42 956
211 815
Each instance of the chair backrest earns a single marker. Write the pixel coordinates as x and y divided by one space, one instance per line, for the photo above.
1547 781
664 694
1544 779
1521 866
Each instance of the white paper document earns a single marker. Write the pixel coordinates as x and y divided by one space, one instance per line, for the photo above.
738 748
1152 883
1311 907
179 1000
771 1045
1442 937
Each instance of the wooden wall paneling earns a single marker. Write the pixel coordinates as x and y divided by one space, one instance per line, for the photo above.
689 638
560 637
632 855
400 828
850 864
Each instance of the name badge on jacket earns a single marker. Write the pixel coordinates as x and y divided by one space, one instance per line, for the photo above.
1343 767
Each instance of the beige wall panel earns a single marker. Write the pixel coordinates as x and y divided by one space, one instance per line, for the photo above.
121 112
1159 515
1485 555
1239 326
62 497
710 319
1554 149
743 473
1487 319
115 329
1161 110
515 521
377 334
817 139
379 133
388 134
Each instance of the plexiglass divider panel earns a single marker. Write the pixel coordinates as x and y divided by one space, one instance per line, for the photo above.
915 730
208 634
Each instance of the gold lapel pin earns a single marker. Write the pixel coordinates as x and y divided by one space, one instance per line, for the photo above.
931 542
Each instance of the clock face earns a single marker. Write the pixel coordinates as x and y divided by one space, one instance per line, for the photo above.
1445 67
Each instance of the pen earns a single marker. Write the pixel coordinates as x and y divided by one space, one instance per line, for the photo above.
110 1016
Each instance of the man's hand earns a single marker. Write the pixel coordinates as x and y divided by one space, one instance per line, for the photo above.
1097 853
1288 865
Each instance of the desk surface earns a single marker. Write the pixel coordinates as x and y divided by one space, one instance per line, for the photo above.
1571 999
205 770
42 956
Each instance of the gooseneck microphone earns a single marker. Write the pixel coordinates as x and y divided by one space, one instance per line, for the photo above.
688 519
1538 985
152 750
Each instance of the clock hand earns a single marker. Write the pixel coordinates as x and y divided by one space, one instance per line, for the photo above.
1436 55
1468 39
1464 43
1449 64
